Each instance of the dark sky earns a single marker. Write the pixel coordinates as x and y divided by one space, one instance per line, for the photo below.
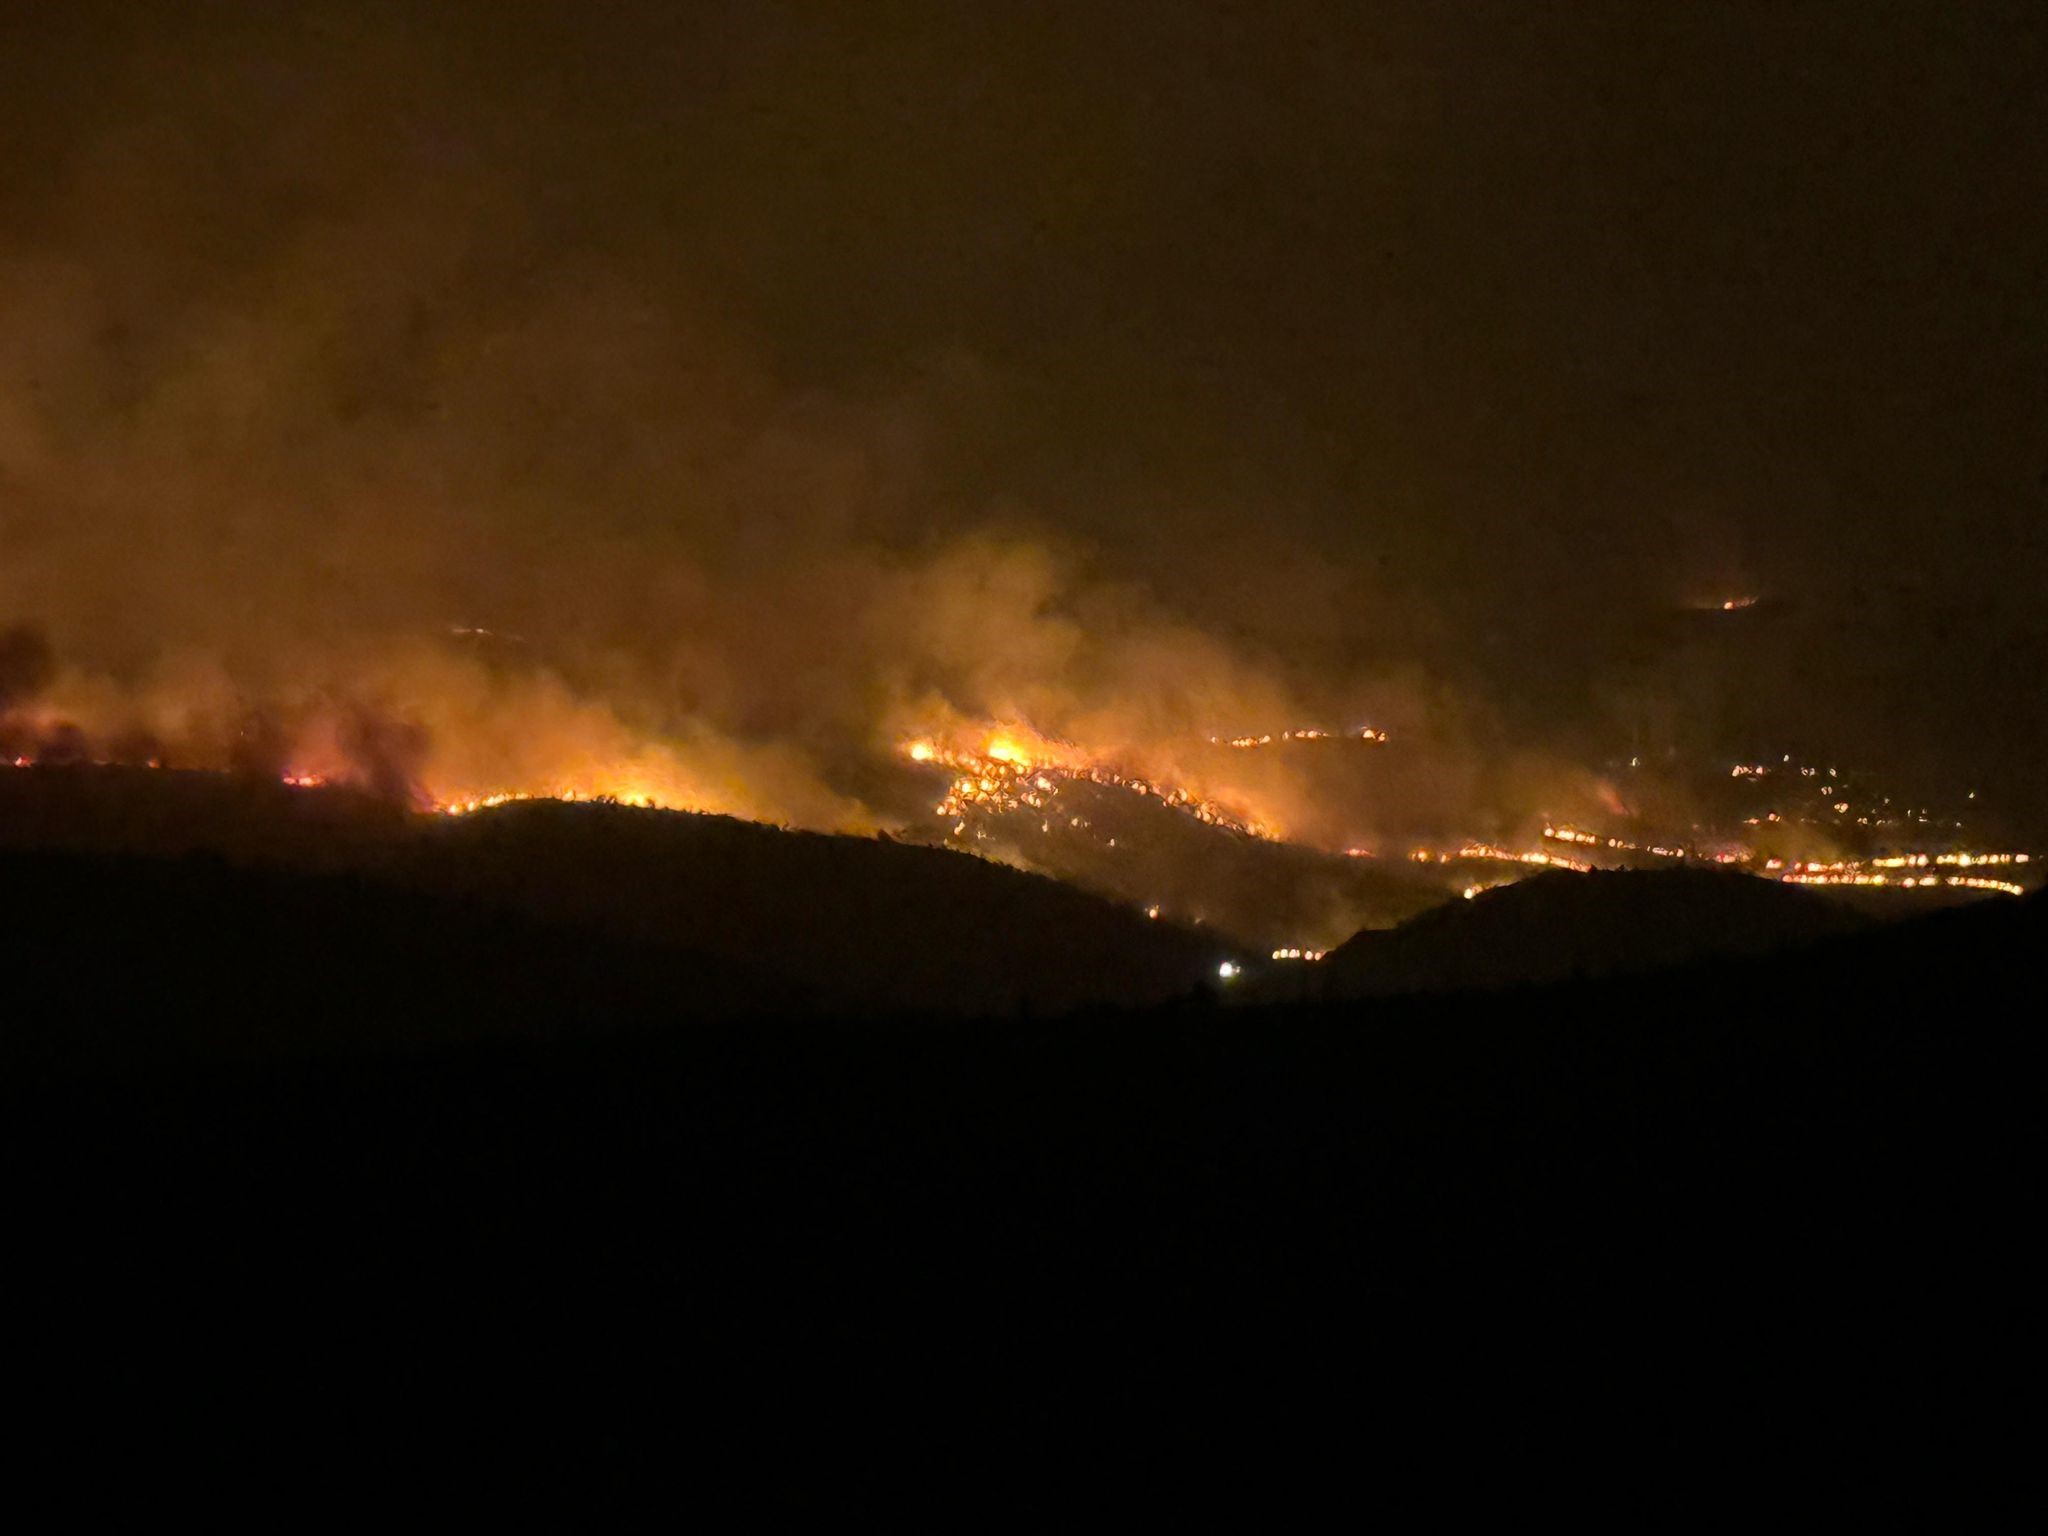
1458 336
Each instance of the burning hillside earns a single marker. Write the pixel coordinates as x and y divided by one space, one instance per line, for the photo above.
1285 840
415 724
1160 843
1013 772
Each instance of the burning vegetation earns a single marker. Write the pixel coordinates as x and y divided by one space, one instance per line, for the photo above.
1015 772
435 731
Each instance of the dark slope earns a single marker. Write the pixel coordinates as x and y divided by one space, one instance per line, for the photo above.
852 924
117 960
168 812
778 1240
869 926
1559 925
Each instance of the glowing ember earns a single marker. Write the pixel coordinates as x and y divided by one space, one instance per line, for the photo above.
1014 770
1298 733
1909 882
464 806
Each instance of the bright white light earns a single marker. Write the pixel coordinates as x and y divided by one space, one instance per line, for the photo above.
1227 969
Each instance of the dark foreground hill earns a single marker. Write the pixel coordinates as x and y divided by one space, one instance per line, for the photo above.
838 924
861 925
119 962
1603 1231
1559 925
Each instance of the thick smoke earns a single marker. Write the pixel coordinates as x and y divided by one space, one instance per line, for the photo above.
335 442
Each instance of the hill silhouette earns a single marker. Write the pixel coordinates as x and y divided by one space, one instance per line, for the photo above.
869 926
117 960
1306 1224
551 1168
843 924
1562 925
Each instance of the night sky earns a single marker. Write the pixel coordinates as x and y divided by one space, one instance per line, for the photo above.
1465 344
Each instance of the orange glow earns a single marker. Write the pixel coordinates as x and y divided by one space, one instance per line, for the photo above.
1018 769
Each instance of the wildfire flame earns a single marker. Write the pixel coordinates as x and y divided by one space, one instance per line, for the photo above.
465 738
1013 769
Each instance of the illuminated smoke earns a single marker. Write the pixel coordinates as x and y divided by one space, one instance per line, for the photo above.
320 461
